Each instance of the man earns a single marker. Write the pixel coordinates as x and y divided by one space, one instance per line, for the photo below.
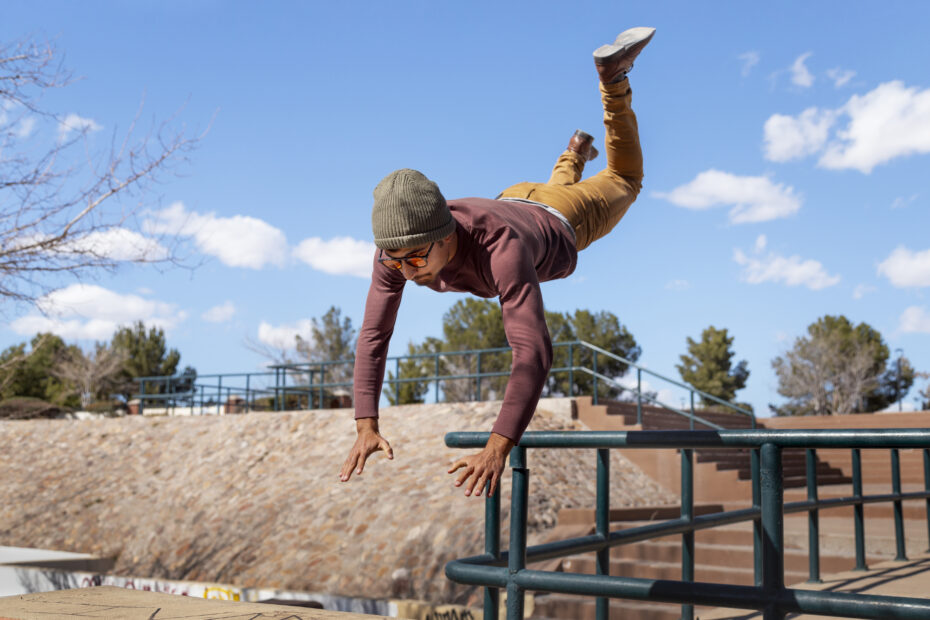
499 248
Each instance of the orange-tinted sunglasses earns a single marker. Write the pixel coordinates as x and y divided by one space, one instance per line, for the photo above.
417 262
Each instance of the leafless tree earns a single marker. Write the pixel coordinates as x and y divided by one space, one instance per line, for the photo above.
825 379
276 355
67 208
93 373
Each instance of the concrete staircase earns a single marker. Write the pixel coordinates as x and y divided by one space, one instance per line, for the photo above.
722 482
719 474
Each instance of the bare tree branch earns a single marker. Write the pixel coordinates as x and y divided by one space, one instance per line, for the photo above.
64 209
92 374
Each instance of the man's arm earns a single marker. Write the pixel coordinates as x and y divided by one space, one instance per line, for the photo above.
384 297
528 335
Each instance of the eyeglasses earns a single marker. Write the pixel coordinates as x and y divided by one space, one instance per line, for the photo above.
417 262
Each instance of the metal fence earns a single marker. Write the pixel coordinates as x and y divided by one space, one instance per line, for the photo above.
508 570
311 385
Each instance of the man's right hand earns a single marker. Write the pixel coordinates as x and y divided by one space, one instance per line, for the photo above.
369 440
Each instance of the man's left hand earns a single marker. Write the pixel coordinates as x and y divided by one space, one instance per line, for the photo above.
484 467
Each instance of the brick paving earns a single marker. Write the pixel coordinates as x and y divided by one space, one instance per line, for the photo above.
255 500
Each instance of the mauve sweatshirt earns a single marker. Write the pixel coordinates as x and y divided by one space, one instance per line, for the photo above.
505 249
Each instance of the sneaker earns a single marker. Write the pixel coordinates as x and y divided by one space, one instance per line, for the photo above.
582 143
614 61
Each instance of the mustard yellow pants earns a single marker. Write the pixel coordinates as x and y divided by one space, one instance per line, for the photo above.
595 205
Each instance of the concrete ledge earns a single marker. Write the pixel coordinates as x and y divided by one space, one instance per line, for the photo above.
909 578
120 603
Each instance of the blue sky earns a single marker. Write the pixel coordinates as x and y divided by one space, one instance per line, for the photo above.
787 150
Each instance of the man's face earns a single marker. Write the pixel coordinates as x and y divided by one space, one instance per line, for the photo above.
436 256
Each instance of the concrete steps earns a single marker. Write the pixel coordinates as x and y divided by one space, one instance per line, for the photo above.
722 481
722 555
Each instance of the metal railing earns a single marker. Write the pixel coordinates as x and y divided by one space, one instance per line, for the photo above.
496 570
310 384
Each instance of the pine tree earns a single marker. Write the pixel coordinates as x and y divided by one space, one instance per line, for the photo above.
602 329
708 366
332 339
147 355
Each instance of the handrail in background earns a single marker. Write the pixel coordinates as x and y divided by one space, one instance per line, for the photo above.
306 384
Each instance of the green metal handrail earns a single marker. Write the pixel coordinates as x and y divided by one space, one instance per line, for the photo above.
308 382
496 570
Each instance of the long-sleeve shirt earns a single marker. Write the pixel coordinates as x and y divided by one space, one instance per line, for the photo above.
504 249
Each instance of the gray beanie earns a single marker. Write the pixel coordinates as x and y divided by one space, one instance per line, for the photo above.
409 211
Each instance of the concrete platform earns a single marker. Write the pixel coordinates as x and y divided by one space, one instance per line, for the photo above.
122 604
910 578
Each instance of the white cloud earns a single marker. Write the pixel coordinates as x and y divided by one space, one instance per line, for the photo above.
749 59
787 137
790 271
915 320
119 244
238 241
340 256
840 77
761 242
221 313
800 76
663 395
678 285
754 199
284 336
906 268
862 290
903 201
890 121
73 122
25 127
84 311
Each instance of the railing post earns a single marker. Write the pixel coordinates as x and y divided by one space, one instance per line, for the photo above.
927 487
219 394
773 526
639 396
248 401
277 388
602 527
478 377
319 401
754 468
594 398
692 410
141 396
518 512
492 546
571 375
858 510
898 510
687 513
813 519
436 374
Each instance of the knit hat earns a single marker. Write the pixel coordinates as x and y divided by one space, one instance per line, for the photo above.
409 211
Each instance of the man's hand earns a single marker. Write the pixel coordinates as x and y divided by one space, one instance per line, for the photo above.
484 467
369 440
